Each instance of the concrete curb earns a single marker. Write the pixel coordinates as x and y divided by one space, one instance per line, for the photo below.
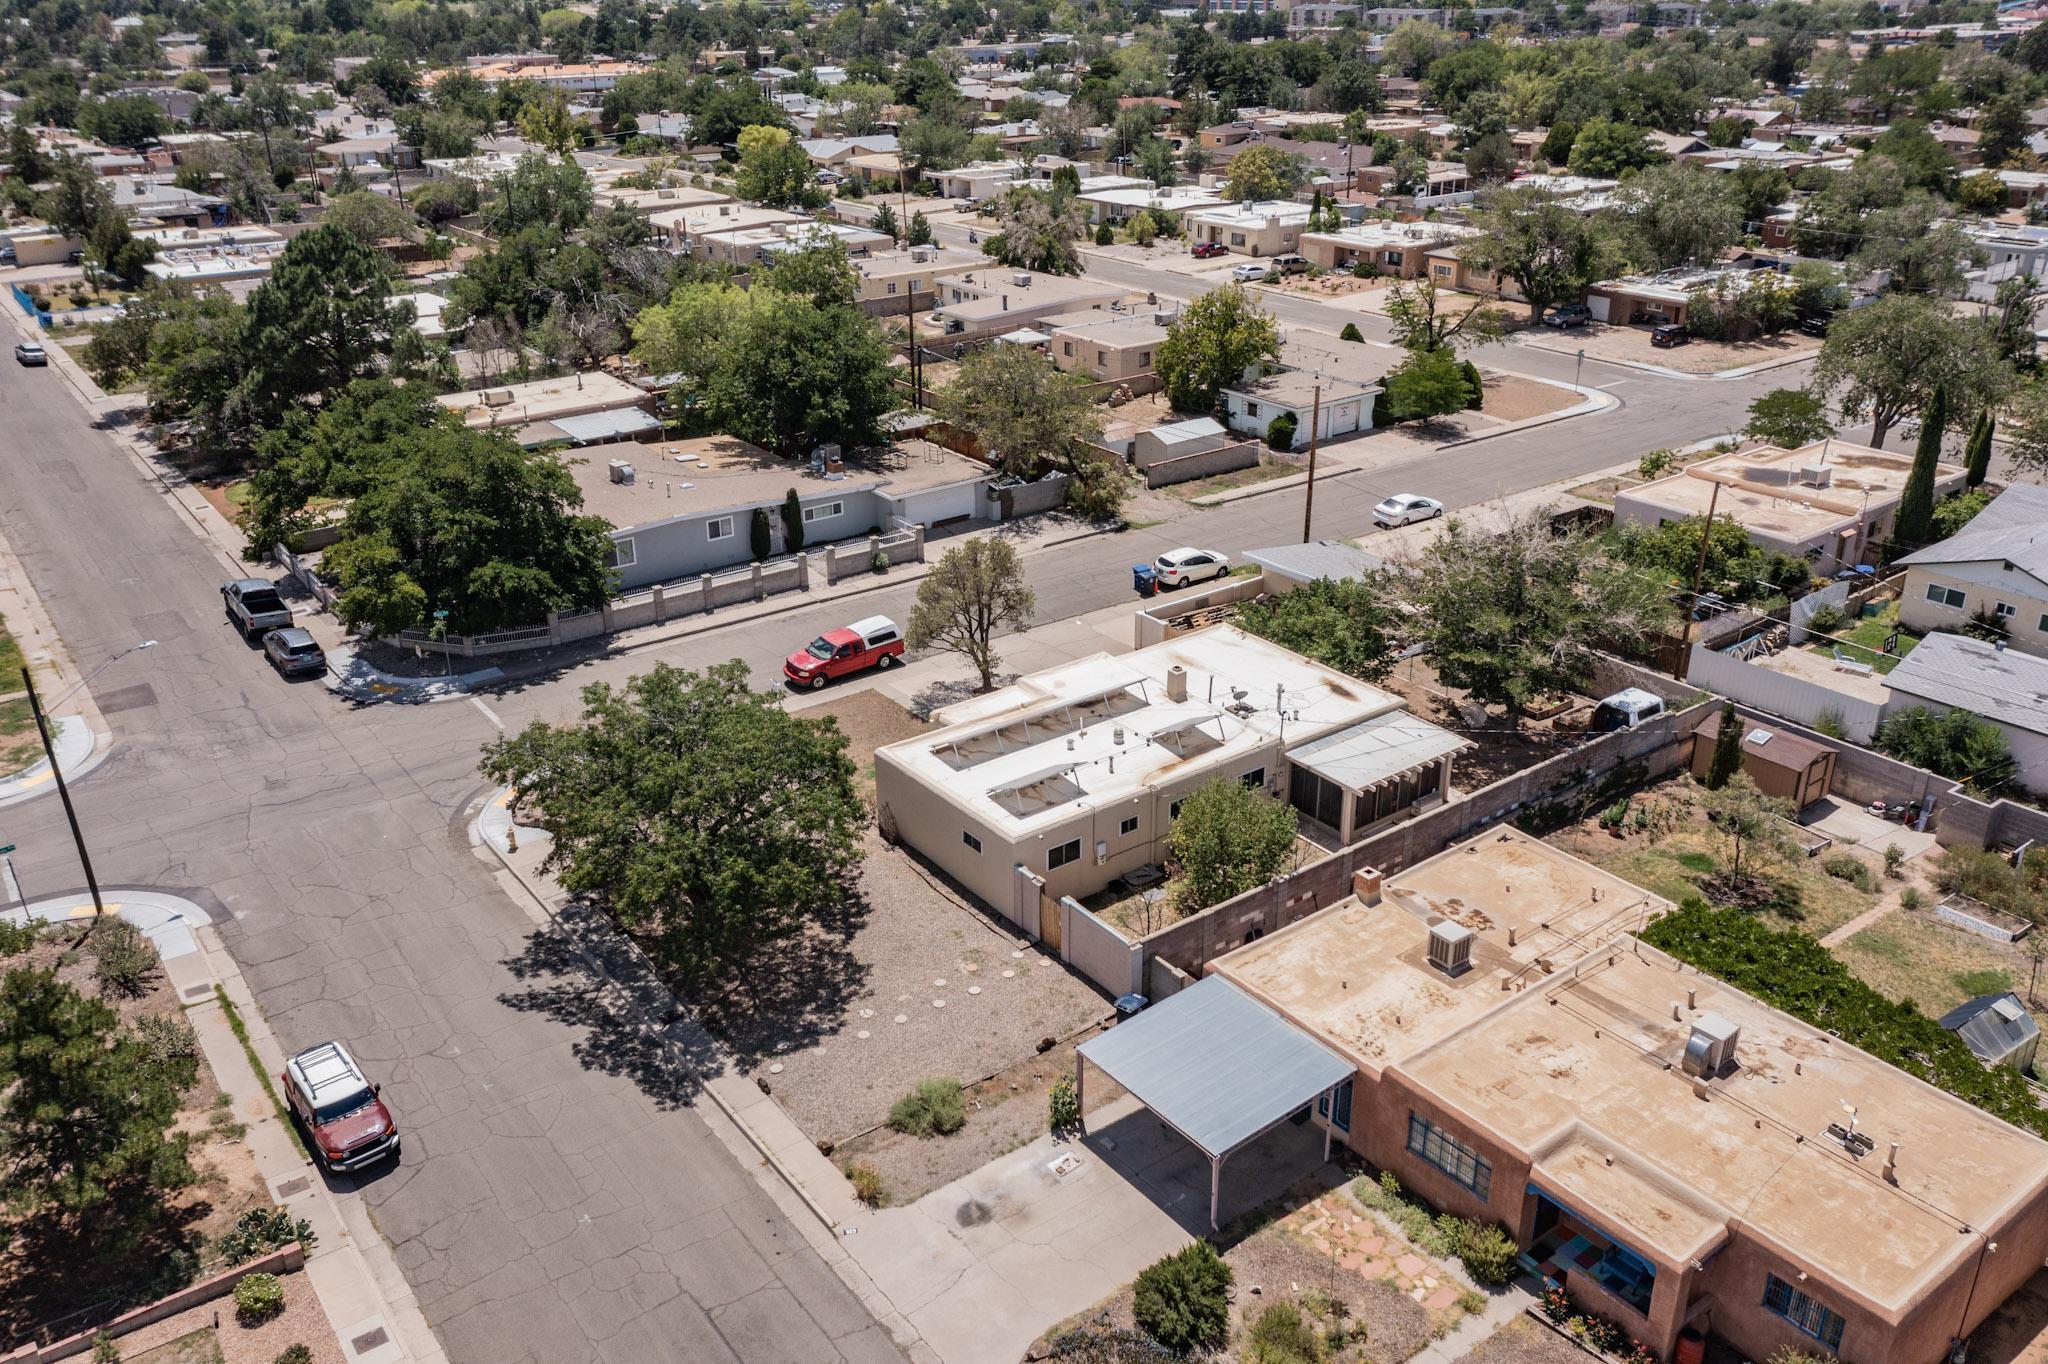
1666 372
79 750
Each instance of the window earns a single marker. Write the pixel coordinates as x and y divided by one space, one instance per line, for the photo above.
1255 778
620 555
1945 596
2006 610
1067 349
971 841
1128 827
1173 810
1339 1113
1069 851
1394 258
1822 1323
1449 1155
892 286
1144 359
719 528
1251 409
1101 357
2043 626
824 511
1237 239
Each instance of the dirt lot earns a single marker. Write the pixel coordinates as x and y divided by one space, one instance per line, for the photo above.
915 982
1523 1341
192 1337
1603 342
1498 751
2016 1333
46 1273
1512 399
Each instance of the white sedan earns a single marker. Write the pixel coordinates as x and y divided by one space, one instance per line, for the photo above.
1248 272
1404 508
1179 567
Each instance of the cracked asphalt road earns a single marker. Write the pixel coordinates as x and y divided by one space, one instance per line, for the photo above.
558 1200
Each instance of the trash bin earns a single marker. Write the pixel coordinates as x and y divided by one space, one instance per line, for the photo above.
1144 581
1129 1006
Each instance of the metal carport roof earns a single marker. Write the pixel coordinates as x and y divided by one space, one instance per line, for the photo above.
1216 1066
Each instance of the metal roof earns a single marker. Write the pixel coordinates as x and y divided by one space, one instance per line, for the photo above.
1962 673
1994 1026
1376 750
588 428
1216 1065
1331 559
2012 529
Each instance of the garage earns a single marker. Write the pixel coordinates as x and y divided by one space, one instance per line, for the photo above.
1598 304
936 506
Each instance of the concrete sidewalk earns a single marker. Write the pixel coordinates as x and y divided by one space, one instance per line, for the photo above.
367 1302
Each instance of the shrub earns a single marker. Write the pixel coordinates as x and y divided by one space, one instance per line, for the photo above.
262 1230
867 1183
1475 386
1911 898
104 1350
1826 619
1894 860
933 1109
1830 724
880 562
1064 1105
1844 867
258 1298
1282 1336
123 957
1181 1299
1280 431
295 1354
1104 237
1351 333
167 1038
1656 463
1489 1256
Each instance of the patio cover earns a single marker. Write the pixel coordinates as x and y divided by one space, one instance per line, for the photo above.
1216 1066
621 423
1377 750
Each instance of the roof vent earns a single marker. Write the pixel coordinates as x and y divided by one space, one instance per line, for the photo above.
1450 947
1711 1048
496 397
1177 684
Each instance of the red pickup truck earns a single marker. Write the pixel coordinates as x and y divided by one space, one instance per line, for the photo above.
871 643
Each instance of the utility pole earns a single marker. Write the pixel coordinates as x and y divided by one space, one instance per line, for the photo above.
1699 571
910 326
1308 502
35 705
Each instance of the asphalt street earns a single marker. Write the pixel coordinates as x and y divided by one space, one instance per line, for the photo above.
558 1199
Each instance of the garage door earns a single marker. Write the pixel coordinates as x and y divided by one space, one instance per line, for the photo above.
1598 304
936 505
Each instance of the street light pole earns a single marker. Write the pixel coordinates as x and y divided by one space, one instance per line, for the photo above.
35 706
145 644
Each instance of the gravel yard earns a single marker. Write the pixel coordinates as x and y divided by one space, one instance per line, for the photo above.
191 1336
1523 1341
1603 342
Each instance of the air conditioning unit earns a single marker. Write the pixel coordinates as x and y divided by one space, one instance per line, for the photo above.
620 471
1817 475
1022 279
497 397
1711 1048
1450 947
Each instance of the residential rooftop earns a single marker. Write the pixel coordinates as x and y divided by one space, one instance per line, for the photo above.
1977 676
2012 529
1764 489
541 400
1380 234
1257 213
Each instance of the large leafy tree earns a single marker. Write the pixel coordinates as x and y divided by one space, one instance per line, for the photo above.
538 192
1026 413
794 373
686 335
1039 230
708 820
1228 839
1679 213
1608 149
1213 341
1515 613
322 319
1262 172
88 1109
468 523
1789 418
1955 743
1353 625
1884 362
975 592
1551 252
1427 385
774 171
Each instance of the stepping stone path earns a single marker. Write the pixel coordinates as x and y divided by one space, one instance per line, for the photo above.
1335 1225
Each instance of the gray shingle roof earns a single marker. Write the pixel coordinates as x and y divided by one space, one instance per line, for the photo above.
1956 671
2014 528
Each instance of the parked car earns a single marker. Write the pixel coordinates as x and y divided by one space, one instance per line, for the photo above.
254 607
1816 324
1668 335
1569 315
1403 508
342 1111
1180 567
1629 708
294 651
31 353
1291 264
1209 250
1249 272
871 643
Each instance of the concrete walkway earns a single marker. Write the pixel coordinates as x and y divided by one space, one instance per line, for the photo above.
352 1271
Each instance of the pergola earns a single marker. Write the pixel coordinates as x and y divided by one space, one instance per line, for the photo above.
1216 1066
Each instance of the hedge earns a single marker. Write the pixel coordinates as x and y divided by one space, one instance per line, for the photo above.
1792 972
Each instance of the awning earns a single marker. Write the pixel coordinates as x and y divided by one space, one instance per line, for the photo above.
1377 750
1216 1066
621 423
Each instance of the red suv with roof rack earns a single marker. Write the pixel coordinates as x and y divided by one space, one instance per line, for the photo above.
341 1109
871 643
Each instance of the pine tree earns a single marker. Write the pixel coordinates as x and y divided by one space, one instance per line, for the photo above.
920 230
1727 759
885 221
1977 454
759 538
792 521
1915 523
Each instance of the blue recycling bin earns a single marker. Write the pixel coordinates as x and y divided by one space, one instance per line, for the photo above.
1144 581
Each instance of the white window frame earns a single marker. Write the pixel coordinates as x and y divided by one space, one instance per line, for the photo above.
1941 595
2005 610
623 554
824 511
718 528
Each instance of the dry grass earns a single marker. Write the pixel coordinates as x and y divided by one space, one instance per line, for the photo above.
1909 954
1510 398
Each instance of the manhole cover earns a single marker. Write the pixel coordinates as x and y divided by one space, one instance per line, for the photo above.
292 1188
369 1340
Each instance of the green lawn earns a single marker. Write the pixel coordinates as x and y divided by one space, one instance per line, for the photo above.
1869 633
10 660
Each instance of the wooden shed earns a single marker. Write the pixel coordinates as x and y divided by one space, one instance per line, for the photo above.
1780 763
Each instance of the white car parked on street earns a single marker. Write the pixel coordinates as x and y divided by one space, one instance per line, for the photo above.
1179 567
1250 271
1404 508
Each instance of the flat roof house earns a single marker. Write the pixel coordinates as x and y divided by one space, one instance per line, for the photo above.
538 410
1121 203
1269 228
1831 501
1107 346
909 277
998 298
680 228
1075 773
766 241
977 179
1997 566
1670 1150
1397 249
1347 378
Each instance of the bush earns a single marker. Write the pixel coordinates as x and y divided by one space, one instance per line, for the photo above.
1475 386
262 1230
1282 1336
1181 1299
867 1183
933 1109
1656 463
1894 860
1280 432
1844 867
1911 898
1104 237
1489 1255
1351 333
123 956
258 1298
295 1354
104 1350
1064 1105
879 563
1826 619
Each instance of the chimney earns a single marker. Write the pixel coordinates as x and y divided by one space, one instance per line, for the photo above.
1365 884
1891 1165
1176 683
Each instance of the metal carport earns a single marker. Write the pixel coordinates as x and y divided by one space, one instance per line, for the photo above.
1216 1066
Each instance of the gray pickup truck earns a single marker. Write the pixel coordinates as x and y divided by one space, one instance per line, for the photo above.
255 607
